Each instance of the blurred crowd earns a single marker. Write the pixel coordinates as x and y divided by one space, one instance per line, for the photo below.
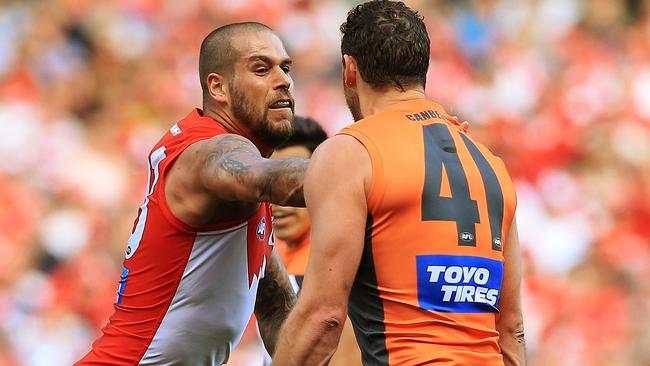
560 89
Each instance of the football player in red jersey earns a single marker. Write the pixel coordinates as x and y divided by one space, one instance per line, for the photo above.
200 258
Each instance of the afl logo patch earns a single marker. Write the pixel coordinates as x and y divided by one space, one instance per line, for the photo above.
261 229
466 236
496 244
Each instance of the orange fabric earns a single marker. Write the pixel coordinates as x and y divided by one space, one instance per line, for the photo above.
394 139
294 259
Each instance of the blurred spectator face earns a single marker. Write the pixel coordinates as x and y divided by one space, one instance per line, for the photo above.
259 89
291 224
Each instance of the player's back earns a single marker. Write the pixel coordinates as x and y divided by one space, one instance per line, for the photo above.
439 208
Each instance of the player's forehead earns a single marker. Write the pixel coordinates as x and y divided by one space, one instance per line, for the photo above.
260 45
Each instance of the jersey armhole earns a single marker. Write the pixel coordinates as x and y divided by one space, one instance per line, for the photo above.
509 195
377 182
164 206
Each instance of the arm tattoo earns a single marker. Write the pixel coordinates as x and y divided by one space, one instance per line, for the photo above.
275 299
277 181
227 156
283 183
234 167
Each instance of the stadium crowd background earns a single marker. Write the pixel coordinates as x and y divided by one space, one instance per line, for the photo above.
560 89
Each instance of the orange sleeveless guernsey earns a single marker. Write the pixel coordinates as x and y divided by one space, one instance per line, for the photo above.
439 210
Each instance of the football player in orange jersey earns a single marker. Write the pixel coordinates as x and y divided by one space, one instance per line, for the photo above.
413 230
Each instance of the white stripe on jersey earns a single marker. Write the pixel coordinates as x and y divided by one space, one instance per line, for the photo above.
207 318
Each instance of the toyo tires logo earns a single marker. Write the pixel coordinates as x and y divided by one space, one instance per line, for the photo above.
459 284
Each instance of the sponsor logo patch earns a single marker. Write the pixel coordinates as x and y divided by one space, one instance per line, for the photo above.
466 236
459 284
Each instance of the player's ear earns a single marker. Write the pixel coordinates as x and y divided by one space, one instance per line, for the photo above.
350 71
218 88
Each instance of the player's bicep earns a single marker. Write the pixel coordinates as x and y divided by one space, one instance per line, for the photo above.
233 169
227 167
335 194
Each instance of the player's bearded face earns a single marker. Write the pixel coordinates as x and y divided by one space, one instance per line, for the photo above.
352 100
254 112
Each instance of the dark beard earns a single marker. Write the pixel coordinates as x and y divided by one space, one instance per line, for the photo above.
257 121
352 100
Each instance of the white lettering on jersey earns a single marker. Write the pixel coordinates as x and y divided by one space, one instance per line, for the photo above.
153 162
460 284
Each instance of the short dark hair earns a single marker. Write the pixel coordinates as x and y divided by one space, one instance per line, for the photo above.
389 42
307 133
217 52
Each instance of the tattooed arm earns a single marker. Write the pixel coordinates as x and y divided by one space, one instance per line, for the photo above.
275 298
233 169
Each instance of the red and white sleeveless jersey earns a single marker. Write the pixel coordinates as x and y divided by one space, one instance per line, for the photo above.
186 292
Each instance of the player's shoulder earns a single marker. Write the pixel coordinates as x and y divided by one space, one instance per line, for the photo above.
341 158
215 148
198 138
340 148
197 126
484 149
202 133
228 142
189 128
339 155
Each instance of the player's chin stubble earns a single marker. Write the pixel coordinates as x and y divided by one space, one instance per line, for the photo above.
274 133
257 119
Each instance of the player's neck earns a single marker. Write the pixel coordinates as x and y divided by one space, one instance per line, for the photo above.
374 101
232 125
224 119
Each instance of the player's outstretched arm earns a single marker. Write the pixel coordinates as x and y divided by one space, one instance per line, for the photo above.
335 190
510 322
234 170
275 299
